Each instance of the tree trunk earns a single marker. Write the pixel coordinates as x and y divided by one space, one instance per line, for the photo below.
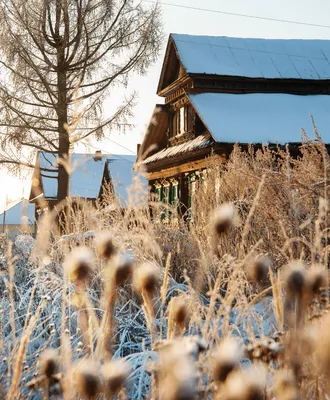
64 142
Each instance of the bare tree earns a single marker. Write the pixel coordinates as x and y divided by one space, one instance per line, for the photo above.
57 54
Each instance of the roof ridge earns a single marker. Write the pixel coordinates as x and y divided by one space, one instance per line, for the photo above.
251 38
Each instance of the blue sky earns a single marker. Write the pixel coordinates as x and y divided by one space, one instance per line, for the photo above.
181 20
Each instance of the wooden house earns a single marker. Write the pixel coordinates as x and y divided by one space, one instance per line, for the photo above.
219 91
18 218
89 174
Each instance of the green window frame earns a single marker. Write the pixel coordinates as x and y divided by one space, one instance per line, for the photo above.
158 192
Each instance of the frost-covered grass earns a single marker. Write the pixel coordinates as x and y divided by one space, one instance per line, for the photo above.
233 306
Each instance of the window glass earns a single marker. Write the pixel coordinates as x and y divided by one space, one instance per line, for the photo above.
158 192
166 197
181 118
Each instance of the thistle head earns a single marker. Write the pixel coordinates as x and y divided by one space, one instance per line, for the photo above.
258 270
249 384
178 375
146 278
115 374
295 279
123 267
87 381
226 358
49 363
79 264
222 218
316 278
179 309
106 245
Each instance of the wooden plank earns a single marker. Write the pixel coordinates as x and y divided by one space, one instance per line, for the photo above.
187 167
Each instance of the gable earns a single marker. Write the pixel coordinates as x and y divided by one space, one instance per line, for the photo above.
262 118
172 68
155 138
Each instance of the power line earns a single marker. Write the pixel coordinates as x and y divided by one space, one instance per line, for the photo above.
286 21
118 144
110 140
109 152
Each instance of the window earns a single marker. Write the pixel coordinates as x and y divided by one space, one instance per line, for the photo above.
178 121
175 194
166 195
192 181
158 191
182 115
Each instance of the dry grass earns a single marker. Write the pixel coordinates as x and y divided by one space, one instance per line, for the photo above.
233 306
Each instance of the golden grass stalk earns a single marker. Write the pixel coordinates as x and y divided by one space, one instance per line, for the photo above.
66 360
163 290
21 353
277 299
11 271
119 270
247 225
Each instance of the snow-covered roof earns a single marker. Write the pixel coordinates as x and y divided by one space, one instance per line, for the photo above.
262 118
14 214
198 143
254 58
87 174
121 175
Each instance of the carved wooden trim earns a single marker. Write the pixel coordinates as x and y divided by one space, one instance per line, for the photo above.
187 167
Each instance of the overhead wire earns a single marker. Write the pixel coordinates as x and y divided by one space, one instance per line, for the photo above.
109 152
287 21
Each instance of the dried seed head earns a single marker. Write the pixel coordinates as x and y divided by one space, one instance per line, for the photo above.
48 362
179 309
106 245
146 278
258 270
87 381
249 384
296 279
115 374
123 267
227 357
79 264
316 278
222 218
194 345
177 373
285 387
